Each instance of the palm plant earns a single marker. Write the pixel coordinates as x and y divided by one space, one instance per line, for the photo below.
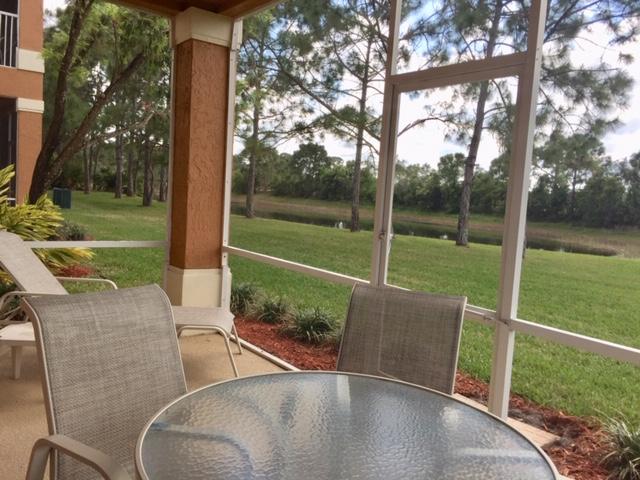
37 221
243 298
313 326
273 310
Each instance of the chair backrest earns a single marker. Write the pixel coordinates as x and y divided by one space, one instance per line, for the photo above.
24 266
110 361
409 336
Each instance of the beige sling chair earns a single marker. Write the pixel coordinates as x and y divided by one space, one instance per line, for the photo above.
110 361
409 336
32 277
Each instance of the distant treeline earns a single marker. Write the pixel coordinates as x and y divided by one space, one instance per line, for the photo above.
596 193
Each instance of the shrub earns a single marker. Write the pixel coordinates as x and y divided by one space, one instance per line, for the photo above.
71 231
313 326
623 459
243 297
273 310
38 221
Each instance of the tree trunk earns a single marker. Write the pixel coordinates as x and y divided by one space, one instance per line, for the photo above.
48 165
253 160
572 200
86 170
42 179
147 194
131 190
462 237
355 183
357 163
164 184
119 166
138 163
94 156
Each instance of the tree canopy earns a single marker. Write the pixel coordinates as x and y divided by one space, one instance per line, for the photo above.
308 71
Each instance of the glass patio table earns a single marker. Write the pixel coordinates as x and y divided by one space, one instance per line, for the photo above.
330 425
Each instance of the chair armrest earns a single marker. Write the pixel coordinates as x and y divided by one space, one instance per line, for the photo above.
89 280
108 468
17 294
4 299
9 295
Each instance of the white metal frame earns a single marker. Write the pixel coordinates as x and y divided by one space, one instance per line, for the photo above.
481 315
96 243
516 212
526 66
473 313
236 40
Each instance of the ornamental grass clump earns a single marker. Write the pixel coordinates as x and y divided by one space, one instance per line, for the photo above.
243 297
623 459
275 310
312 326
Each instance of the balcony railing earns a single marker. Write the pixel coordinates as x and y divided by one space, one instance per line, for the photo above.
8 39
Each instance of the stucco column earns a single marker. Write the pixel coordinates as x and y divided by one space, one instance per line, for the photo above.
194 274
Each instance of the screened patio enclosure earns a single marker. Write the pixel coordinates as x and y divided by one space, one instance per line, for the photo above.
206 36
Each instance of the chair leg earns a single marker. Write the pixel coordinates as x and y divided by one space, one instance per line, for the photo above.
16 359
233 362
235 335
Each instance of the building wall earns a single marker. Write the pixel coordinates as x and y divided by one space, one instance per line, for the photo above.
29 141
31 21
25 84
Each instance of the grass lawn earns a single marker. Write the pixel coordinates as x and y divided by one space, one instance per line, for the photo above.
593 295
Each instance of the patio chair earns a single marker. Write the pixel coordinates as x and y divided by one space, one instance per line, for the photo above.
100 389
409 336
32 277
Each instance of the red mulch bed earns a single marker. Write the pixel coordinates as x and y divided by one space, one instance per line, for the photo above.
76 271
302 355
576 454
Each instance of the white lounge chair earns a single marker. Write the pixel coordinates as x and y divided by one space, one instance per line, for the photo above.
33 278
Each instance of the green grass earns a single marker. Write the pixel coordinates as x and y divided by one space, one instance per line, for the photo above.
593 295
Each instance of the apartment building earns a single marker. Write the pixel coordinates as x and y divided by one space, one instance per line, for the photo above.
21 89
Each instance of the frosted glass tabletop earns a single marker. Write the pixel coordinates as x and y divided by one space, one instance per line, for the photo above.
329 425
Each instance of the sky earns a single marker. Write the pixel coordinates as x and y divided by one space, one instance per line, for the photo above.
426 145
419 143
53 4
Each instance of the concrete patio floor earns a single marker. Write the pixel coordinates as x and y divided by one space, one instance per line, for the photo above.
22 415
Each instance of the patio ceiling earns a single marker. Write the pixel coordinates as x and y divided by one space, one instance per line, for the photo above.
229 8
